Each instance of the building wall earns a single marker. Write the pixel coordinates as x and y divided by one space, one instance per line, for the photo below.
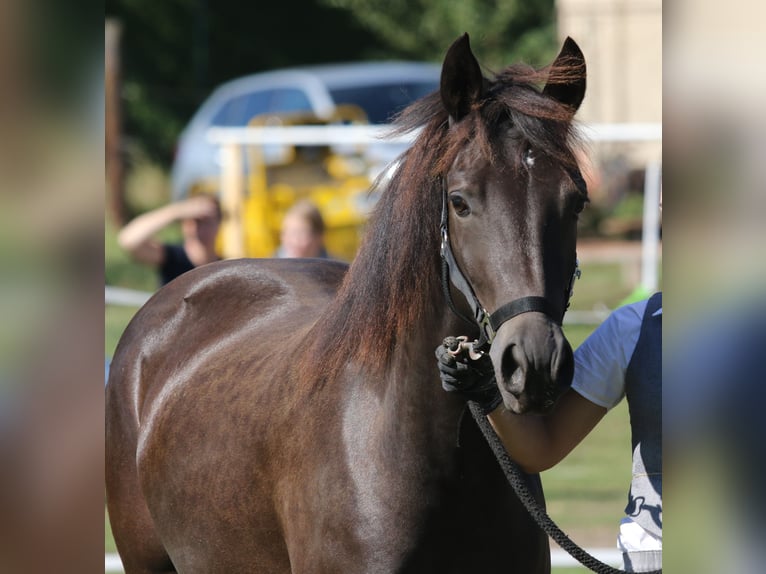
622 43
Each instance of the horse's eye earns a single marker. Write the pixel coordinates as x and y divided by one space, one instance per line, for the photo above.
459 205
580 201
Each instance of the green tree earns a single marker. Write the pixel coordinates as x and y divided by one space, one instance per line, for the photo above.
502 31
175 52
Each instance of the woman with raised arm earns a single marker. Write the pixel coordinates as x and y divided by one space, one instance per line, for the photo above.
200 218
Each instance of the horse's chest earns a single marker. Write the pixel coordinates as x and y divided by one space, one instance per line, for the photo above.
373 500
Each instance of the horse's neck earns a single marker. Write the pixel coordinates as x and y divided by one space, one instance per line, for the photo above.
414 406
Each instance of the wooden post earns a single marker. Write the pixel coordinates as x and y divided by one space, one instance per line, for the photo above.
232 189
261 207
113 125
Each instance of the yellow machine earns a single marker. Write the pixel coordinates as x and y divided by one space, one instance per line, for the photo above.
255 196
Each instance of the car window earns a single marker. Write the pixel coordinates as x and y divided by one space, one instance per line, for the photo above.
238 110
382 101
289 100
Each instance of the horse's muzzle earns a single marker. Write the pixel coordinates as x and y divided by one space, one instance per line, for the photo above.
533 363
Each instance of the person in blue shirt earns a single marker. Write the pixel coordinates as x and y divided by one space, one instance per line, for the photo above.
621 358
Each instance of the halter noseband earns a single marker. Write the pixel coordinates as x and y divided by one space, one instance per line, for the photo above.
488 323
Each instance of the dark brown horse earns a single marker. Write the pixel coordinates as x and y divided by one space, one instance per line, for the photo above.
287 416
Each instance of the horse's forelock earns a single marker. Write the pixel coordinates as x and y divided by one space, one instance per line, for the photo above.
545 123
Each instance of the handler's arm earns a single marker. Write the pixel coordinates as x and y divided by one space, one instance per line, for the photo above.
537 443
137 237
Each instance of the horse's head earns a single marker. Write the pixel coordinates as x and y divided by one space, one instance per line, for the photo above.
512 194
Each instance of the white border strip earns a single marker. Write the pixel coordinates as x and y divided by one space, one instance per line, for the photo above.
559 559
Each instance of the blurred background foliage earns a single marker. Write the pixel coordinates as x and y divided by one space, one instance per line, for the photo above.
174 52
507 31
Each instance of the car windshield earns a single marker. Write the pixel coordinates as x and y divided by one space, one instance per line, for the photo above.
382 101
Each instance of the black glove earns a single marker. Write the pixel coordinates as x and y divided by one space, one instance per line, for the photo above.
471 379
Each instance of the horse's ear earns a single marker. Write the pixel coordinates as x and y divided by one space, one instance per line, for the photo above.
461 81
566 82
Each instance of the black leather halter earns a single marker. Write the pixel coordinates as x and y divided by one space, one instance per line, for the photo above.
488 323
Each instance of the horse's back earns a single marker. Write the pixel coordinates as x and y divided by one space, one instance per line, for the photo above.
190 370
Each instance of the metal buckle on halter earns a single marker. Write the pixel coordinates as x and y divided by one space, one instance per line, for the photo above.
575 276
486 326
466 345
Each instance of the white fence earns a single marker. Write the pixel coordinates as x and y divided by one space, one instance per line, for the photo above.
233 140
367 134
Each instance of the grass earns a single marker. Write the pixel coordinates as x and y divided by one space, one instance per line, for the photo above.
586 492
109 546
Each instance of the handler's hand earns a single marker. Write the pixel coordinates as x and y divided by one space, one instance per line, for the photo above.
472 380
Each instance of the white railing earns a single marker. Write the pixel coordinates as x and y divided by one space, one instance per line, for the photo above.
125 297
231 141
366 134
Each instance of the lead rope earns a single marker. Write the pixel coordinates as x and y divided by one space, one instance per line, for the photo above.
516 479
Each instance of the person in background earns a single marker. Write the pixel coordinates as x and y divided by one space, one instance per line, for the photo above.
302 232
621 358
200 218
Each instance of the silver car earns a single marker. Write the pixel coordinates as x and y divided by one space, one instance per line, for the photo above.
379 88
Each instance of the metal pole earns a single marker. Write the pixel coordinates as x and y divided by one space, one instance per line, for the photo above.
232 188
651 230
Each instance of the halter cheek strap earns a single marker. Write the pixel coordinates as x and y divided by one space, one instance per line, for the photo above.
488 323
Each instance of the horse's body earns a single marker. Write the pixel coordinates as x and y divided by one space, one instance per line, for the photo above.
286 415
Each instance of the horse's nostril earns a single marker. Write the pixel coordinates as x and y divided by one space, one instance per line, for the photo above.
534 363
513 371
